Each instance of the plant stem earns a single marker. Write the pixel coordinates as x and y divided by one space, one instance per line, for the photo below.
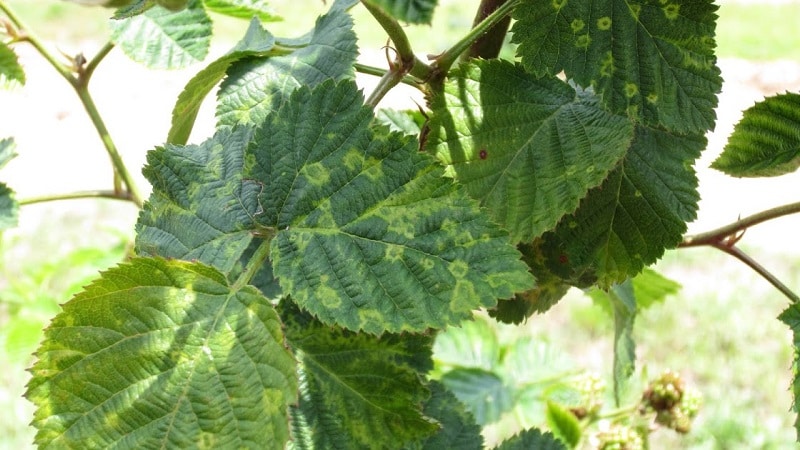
114 195
488 46
78 76
726 237
444 61
378 72
408 62
256 261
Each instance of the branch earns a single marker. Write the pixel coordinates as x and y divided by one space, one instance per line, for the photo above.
488 46
113 195
406 59
726 237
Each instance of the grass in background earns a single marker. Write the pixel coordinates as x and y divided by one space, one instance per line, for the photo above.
758 31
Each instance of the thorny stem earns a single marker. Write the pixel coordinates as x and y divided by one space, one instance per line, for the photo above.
113 195
488 46
78 75
406 61
443 62
726 237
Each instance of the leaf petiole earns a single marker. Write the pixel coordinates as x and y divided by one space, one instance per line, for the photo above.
256 261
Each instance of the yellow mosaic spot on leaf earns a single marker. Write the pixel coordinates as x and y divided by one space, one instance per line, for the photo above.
671 11
369 318
583 41
604 23
590 168
326 294
631 89
458 269
394 253
558 4
652 98
632 110
427 263
401 228
375 171
353 159
635 10
577 25
638 193
463 296
317 174
607 65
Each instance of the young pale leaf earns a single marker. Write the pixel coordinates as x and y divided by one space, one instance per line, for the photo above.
640 210
163 354
201 207
623 302
564 424
528 148
256 86
163 39
651 60
791 317
532 439
766 142
411 11
459 431
357 390
11 72
243 9
485 394
649 288
370 235
9 207
256 42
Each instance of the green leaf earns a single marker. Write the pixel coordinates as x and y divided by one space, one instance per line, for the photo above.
9 207
528 148
407 122
652 60
370 236
163 39
484 393
640 210
256 42
192 185
166 354
766 142
472 344
623 301
257 86
11 72
243 9
649 288
532 439
411 11
459 431
135 8
791 317
357 390
564 424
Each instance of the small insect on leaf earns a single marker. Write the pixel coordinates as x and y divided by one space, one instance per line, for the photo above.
483 154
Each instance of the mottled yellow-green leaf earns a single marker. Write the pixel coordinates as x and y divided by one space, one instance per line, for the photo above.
164 354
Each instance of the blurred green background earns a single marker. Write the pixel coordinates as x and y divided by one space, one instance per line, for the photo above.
720 331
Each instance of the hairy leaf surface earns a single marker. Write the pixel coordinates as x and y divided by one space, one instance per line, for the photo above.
791 317
411 11
243 9
9 207
650 59
256 86
357 390
459 431
256 42
164 354
530 439
766 142
201 207
528 148
370 235
163 39
11 72
640 210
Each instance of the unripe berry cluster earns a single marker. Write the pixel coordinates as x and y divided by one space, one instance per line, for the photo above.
674 405
619 437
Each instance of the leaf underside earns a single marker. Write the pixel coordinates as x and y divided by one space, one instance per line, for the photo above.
204 364
766 142
163 39
528 148
652 60
411 11
243 9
